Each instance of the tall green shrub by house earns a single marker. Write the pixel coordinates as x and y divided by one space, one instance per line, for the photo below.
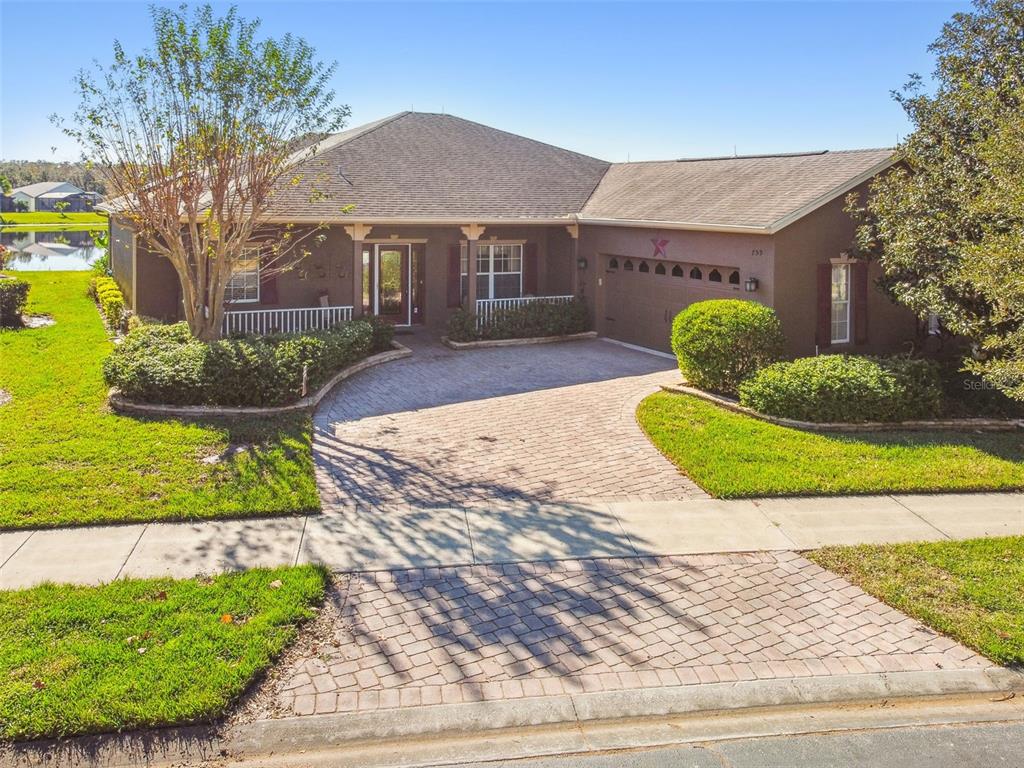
108 296
13 297
721 342
844 388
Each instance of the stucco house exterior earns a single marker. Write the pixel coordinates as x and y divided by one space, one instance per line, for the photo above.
45 195
426 213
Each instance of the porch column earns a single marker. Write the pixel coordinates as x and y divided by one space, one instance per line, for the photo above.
358 233
472 232
574 254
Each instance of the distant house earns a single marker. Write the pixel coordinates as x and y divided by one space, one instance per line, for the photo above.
45 195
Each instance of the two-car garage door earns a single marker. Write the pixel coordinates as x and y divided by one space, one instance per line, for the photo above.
642 297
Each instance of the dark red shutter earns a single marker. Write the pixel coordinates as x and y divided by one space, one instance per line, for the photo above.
530 269
859 290
268 286
823 334
455 276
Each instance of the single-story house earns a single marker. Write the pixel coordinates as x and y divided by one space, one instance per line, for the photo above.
45 195
426 213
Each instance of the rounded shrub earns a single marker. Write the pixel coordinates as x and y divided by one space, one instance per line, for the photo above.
844 388
720 343
13 297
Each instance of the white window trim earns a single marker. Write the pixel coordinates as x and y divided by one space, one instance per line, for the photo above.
848 272
491 273
258 281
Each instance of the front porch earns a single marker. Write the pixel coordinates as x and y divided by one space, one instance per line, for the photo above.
409 276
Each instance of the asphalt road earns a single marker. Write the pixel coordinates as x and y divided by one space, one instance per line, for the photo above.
960 746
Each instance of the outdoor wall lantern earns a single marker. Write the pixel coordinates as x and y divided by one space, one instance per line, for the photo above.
750 285
581 262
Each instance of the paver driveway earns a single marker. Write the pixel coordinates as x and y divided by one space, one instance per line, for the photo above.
536 424
452 635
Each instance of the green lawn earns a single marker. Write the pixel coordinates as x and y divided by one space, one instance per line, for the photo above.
52 217
130 654
66 459
731 455
969 590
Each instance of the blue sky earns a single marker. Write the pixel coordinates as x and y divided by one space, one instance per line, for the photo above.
613 80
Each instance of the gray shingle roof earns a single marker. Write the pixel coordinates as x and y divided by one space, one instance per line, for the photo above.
48 188
755 191
420 165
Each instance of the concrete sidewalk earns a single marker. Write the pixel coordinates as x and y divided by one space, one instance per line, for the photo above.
388 538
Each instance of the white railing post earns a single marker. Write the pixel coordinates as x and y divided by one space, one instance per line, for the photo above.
261 322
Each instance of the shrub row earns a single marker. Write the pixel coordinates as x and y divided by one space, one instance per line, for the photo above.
731 346
13 297
166 364
108 296
531 320
846 388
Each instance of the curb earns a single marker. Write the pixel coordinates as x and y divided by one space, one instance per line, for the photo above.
308 403
983 425
516 342
320 731
313 733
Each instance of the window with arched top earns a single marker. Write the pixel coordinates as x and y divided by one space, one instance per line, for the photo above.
628 265
659 269
715 276
644 267
734 277
613 263
696 274
677 271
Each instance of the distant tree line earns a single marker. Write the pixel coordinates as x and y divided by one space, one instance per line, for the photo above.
22 172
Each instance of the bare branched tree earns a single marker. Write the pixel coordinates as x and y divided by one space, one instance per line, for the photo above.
193 135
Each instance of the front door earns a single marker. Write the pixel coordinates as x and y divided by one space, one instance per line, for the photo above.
392 281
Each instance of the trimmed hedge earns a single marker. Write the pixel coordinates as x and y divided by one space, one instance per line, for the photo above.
166 364
13 297
845 388
108 296
534 319
721 342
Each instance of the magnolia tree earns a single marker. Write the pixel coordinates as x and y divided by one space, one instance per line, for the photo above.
193 135
947 224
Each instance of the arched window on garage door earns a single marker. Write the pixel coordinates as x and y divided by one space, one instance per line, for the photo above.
734 277
659 269
677 271
628 266
715 276
613 263
696 274
644 267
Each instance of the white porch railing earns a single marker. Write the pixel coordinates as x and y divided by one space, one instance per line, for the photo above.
487 309
264 321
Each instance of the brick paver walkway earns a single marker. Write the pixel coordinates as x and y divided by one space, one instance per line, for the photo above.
545 423
449 635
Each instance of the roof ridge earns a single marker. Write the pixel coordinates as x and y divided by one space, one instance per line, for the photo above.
342 137
514 135
766 155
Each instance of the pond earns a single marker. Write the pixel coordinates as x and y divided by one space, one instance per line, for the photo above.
49 249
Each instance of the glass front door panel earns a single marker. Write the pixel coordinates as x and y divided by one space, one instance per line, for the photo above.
393 283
